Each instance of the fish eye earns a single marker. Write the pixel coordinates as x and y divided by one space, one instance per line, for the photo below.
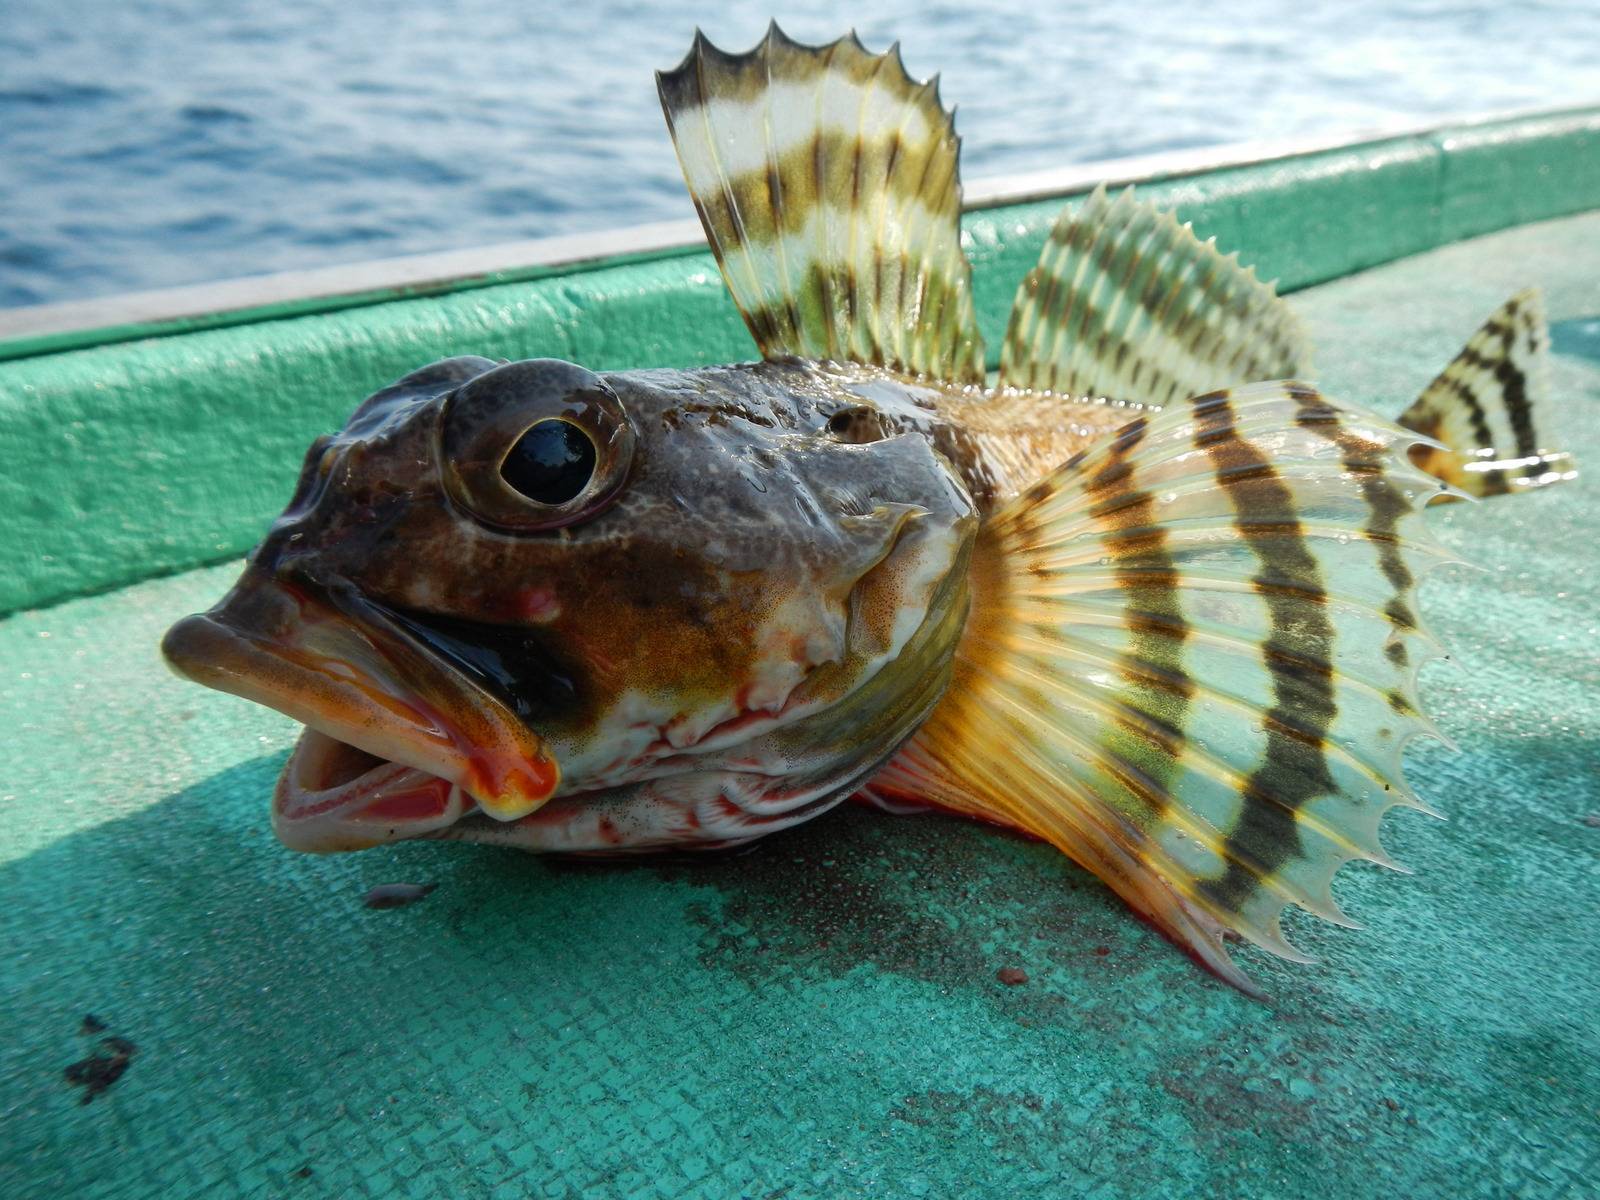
550 463
535 445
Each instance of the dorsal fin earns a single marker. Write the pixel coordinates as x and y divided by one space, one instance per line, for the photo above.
826 179
1489 408
1128 303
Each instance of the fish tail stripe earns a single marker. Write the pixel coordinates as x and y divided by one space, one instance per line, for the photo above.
827 182
1490 410
1180 678
1126 302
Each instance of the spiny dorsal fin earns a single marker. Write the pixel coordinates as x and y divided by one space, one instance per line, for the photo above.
1191 662
826 179
1126 302
1490 409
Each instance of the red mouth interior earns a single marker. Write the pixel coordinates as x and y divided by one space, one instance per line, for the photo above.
329 777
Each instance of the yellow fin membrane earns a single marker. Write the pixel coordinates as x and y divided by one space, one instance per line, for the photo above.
1128 303
826 179
1490 409
1191 661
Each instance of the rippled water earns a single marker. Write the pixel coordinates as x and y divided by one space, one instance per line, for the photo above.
156 142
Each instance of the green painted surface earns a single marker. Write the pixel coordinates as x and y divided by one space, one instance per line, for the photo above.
143 457
27 346
821 1017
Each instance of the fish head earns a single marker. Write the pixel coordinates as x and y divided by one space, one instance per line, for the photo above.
508 598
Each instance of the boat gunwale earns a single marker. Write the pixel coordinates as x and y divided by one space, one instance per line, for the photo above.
32 330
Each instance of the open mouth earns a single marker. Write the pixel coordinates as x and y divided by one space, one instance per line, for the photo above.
335 796
397 743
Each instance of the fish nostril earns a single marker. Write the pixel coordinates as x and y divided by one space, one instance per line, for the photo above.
857 426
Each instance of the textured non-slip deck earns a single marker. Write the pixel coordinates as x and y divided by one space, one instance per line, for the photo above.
822 1016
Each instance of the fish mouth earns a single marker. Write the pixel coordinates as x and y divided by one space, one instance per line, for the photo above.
397 743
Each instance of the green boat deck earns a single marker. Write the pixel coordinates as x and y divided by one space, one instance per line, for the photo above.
822 1016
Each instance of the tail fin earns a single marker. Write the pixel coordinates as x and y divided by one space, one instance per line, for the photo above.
1191 661
1490 410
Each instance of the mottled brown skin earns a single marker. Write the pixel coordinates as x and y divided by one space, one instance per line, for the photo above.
781 536
754 604
738 495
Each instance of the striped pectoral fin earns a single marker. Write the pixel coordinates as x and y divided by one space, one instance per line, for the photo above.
1489 409
826 179
1191 662
1126 302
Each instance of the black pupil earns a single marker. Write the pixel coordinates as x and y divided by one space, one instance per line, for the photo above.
551 463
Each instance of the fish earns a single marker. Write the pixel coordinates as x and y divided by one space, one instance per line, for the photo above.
1141 593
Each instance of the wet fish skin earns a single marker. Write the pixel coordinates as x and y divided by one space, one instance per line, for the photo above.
1143 595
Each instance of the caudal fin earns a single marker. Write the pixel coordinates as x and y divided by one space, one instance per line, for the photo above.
1191 661
1490 408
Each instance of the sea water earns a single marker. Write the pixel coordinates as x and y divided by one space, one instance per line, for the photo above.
148 143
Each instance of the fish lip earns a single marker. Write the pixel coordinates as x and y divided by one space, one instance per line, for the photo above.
328 658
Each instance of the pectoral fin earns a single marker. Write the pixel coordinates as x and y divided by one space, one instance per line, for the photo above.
1191 662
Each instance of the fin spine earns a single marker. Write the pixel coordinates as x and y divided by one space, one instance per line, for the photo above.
828 184
1126 302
